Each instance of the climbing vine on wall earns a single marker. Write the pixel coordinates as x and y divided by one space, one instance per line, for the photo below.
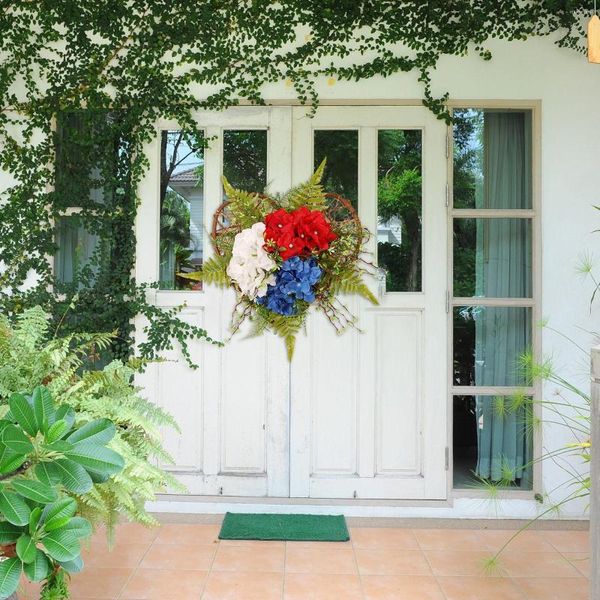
82 84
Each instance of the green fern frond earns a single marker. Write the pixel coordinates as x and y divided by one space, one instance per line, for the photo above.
351 282
214 271
245 208
309 194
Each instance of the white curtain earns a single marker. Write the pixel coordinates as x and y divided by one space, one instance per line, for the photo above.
503 270
75 249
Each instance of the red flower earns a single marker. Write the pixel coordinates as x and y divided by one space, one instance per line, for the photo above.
300 232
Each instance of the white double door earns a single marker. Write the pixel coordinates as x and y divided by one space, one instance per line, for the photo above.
358 415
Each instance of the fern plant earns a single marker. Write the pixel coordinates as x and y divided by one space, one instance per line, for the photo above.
31 354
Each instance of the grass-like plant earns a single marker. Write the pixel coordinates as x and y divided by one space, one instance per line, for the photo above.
569 408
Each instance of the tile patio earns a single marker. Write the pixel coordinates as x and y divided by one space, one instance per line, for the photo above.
187 562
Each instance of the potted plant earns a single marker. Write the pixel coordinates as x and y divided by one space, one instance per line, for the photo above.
81 450
46 457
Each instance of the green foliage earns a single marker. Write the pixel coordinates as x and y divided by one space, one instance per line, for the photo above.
47 453
104 408
82 90
310 193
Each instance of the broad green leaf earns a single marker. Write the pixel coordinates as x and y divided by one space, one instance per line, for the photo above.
43 408
59 446
46 474
61 545
100 431
34 519
34 490
56 431
9 533
57 523
72 475
60 509
10 460
72 566
96 458
66 413
23 413
17 440
39 568
26 549
10 573
79 527
4 423
14 508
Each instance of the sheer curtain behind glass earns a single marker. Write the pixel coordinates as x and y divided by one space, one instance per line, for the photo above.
503 269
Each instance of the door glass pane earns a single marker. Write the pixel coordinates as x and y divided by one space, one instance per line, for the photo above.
340 148
181 210
245 159
493 441
492 258
399 202
77 247
492 159
489 343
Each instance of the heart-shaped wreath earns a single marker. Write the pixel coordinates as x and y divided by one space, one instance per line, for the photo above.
284 254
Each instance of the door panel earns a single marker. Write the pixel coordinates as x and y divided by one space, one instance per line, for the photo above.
233 409
368 408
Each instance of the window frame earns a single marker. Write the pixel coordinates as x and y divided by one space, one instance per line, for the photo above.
535 391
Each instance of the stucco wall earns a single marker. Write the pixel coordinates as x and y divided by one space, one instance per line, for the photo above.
569 90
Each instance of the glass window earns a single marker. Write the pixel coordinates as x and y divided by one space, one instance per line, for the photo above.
181 210
399 203
77 258
245 159
492 159
489 343
493 441
340 148
492 258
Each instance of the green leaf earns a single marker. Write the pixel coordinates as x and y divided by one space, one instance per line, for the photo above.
57 523
59 446
56 431
23 413
43 408
10 460
61 545
14 508
79 527
46 474
100 431
60 509
72 566
72 475
97 458
39 568
66 413
34 519
26 549
10 573
9 533
15 439
34 490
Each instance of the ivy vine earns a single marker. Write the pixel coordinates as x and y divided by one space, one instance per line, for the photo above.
82 84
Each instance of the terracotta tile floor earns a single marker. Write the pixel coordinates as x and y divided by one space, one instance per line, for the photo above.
187 562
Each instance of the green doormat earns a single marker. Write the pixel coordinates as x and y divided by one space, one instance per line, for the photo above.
299 528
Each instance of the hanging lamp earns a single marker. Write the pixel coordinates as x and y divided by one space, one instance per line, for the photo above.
593 35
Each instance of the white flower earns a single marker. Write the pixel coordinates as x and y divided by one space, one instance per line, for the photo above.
251 265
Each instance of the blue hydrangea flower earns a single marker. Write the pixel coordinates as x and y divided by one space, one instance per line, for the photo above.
294 281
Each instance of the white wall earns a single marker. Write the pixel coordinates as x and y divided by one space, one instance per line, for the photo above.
569 90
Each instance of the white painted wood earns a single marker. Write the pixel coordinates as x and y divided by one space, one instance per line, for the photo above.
233 410
595 476
368 412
